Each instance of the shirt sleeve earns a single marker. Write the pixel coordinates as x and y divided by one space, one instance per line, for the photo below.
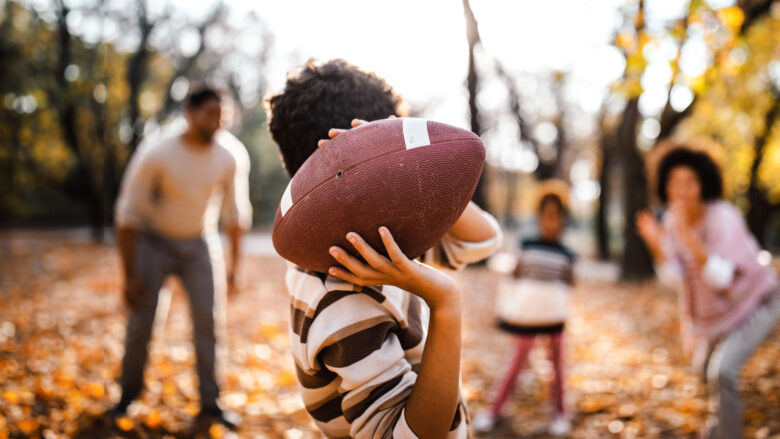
402 429
135 195
726 250
455 254
356 338
236 207
718 272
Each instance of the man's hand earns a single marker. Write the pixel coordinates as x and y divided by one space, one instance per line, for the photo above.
235 233
134 290
433 286
233 287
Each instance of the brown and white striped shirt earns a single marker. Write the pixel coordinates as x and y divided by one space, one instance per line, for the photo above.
357 349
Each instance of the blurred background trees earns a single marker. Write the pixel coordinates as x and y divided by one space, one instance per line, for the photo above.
81 86
711 73
83 83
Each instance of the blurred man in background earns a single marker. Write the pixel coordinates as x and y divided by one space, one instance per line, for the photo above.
166 217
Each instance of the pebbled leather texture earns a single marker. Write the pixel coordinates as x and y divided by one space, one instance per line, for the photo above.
366 178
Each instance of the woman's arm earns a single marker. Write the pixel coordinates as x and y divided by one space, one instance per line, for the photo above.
716 257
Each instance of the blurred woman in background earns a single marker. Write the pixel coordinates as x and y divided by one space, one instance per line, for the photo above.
703 249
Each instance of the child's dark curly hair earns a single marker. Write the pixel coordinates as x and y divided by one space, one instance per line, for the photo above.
700 162
322 96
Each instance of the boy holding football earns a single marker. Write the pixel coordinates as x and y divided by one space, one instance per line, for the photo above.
376 342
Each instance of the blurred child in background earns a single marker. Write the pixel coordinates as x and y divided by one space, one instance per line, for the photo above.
535 303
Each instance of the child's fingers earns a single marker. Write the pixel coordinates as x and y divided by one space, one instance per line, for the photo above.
351 263
357 122
333 132
349 277
374 259
396 255
321 142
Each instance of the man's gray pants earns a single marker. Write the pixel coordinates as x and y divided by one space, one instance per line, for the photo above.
725 364
199 265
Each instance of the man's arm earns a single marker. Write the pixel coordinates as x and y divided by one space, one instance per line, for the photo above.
236 207
126 241
235 233
132 208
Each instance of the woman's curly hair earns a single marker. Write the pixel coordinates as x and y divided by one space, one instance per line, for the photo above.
709 173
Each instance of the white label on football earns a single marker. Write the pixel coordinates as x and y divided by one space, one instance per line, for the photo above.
416 132
287 200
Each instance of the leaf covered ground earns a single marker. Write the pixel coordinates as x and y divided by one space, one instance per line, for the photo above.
62 329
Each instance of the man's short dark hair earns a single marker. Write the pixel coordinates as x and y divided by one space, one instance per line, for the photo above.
323 96
200 95
700 162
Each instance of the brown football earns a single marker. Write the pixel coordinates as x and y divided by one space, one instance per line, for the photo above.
413 176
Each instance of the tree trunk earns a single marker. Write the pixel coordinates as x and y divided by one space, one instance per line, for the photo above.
602 214
137 72
186 65
81 184
670 118
472 85
636 263
761 209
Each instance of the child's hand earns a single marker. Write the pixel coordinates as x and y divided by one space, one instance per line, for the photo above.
433 286
333 132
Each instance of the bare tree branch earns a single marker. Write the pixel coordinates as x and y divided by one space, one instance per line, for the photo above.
186 65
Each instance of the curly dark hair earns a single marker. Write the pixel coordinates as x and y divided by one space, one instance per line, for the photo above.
323 96
700 162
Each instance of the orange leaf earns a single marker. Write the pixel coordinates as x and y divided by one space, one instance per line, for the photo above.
124 423
153 419
95 390
28 426
11 397
217 431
